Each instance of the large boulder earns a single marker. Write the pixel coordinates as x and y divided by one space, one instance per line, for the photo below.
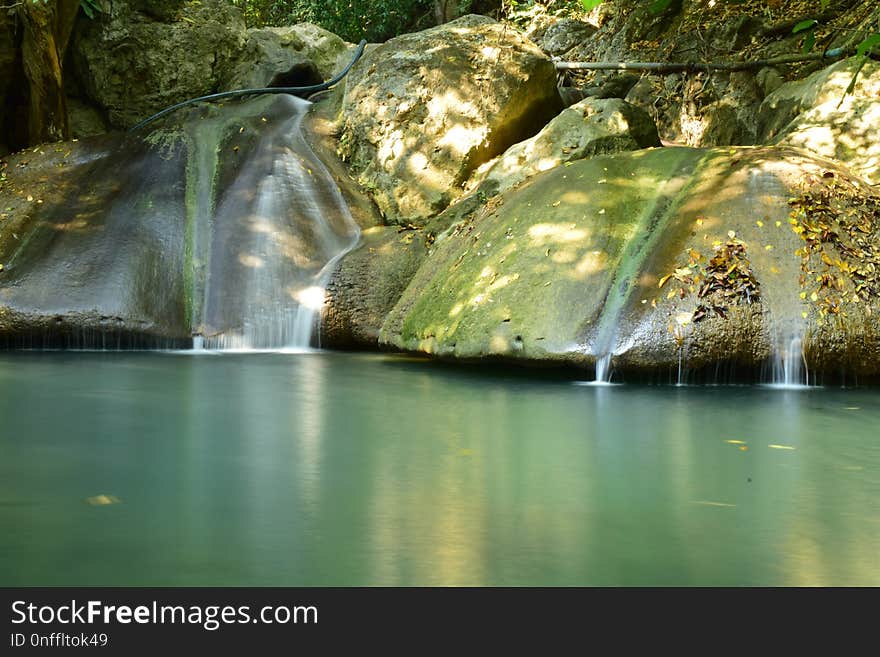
817 114
565 34
823 88
296 55
591 127
132 63
660 259
424 110
367 283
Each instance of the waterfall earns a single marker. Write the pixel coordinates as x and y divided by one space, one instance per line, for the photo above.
790 364
277 232
603 368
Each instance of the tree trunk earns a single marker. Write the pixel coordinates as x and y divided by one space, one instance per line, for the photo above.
46 30
445 11
34 106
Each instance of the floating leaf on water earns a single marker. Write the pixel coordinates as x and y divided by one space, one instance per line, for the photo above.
731 234
102 500
735 442
759 224
780 446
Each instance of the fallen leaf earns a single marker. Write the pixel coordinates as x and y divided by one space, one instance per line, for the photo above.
102 500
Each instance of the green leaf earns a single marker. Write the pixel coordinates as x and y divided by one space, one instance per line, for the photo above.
809 41
659 6
805 25
591 4
866 46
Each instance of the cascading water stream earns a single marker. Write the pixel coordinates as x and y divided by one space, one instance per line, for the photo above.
790 364
277 233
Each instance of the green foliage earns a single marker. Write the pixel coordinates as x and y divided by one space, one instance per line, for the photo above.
353 20
91 7
659 6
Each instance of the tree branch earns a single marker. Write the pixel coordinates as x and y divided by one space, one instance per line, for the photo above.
694 67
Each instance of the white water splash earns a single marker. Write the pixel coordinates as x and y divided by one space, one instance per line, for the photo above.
790 368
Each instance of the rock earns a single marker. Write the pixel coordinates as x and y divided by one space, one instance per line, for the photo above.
849 133
267 63
132 66
367 284
722 124
162 10
579 262
562 36
817 115
85 120
423 111
588 128
614 86
297 55
769 80
328 52
826 86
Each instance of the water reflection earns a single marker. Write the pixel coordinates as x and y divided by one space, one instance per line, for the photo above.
347 470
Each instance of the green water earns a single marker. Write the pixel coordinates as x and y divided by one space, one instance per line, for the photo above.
335 469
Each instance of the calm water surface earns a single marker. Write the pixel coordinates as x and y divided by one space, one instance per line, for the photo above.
336 469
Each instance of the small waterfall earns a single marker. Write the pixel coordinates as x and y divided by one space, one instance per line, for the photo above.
603 369
278 231
790 364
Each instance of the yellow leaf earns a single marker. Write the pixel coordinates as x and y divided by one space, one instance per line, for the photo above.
663 280
671 294
102 500
735 442
759 223
731 234
769 247
780 446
